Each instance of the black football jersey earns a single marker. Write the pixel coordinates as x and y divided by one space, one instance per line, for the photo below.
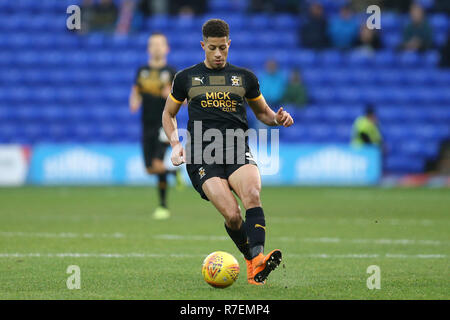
216 96
150 81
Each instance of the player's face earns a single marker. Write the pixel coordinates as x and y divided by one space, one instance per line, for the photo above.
158 47
216 51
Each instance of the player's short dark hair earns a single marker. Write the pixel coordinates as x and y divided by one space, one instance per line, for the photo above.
216 28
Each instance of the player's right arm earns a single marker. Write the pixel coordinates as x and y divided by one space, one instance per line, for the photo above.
135 99
169 120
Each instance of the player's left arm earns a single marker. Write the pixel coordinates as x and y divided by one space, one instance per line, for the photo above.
165 91
135 99
266 115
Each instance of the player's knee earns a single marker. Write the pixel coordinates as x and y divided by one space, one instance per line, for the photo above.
150 170
234 220
251 197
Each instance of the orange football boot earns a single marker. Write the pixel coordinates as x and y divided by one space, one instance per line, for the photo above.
263 265
250 279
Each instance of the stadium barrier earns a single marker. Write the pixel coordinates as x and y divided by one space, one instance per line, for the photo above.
13 165
296 164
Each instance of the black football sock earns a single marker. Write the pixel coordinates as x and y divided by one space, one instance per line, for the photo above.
239 238
255 225
162 189
171 171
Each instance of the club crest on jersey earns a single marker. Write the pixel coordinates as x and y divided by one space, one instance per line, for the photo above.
235 81
201 172
144 74
165 76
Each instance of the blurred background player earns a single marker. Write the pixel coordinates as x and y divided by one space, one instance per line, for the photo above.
151 88
366 132
365 129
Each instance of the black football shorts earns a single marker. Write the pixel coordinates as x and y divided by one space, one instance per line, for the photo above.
152 146
199 173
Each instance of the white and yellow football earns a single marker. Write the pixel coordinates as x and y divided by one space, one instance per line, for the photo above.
220 269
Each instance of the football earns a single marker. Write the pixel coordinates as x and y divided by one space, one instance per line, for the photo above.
220 269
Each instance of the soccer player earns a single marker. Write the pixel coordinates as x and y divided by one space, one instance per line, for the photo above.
151 88
216 91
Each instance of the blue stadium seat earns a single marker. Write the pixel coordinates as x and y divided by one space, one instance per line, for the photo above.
53 113
359 59
57 132
303 58
391 40
313 76
348 95
297 133
159 23
404 164
323 94
439 22
431 58
285 22
343 133
337 76
363 76
220 5
440 38
420 148
390 22
330 58
408 59
258 22
440 76
384 58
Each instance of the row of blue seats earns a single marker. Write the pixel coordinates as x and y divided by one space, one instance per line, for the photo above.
403 164
330 114
422 79
397 131
247 39
312 76
385 76
40 6
336 112
322 94
56 19
242 40
426 136
22 40
378 94
105 75
286 58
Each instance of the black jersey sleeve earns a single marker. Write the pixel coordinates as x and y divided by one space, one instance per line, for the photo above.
179 91
173 71
136 77
252 86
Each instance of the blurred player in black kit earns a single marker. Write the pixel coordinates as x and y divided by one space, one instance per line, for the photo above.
150 90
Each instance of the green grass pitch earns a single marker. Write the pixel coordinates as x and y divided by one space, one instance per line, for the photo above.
329 237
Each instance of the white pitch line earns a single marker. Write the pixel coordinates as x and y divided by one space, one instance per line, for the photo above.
177 237
360 221
61 235
181 255
97 255
190 237
313 240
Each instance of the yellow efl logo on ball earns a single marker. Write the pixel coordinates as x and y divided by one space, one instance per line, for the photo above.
220 269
